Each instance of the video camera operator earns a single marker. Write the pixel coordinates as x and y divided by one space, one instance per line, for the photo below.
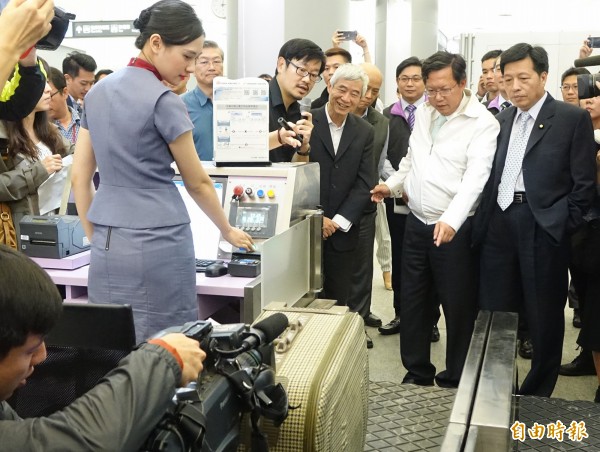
120 412
22 24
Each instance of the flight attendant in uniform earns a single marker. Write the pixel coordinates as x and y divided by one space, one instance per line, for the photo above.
132 129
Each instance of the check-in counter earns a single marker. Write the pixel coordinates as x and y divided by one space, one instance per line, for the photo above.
213 293
263 201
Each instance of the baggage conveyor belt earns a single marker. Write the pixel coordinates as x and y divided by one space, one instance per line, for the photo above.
414 418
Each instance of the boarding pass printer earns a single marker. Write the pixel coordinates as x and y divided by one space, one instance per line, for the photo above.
52 236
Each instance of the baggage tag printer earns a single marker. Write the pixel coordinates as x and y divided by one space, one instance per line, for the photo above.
245 264
52 236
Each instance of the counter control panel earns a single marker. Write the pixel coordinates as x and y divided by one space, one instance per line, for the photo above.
254 203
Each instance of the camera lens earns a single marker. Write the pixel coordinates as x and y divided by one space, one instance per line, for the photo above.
586 86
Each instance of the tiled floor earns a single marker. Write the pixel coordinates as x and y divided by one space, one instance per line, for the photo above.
385 364
412 418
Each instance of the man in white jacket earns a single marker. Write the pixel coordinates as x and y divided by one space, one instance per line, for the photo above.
441 178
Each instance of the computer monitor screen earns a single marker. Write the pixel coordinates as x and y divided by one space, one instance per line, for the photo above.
206 235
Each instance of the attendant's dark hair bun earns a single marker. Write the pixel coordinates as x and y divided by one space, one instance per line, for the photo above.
174 20
143 20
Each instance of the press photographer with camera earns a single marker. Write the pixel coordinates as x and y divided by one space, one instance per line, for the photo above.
120 412
22 24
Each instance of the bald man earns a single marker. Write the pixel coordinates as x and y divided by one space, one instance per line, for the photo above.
362 278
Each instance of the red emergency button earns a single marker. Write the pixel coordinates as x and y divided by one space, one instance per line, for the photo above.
238 190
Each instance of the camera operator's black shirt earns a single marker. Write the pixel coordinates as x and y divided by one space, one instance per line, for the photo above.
277 110
26 96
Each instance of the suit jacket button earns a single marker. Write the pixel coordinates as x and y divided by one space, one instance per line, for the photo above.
333 186
335 166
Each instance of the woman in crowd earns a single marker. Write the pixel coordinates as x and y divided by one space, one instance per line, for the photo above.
32 178
132 129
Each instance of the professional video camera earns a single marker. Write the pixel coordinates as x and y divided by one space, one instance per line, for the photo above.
238 377
586 83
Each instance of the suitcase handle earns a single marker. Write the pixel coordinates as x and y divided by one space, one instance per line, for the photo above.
284 342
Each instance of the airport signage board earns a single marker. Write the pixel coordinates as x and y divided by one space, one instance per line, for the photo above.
103 29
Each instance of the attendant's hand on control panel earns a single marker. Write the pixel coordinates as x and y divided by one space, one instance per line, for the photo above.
239 238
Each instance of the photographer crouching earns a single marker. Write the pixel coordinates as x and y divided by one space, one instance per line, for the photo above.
116 415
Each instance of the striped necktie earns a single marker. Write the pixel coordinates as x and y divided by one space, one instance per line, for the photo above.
411 116
504 105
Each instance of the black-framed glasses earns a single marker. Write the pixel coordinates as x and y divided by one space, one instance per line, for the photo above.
54 93
444 92
302 72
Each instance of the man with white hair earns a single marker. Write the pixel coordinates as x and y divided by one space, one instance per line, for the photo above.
342 144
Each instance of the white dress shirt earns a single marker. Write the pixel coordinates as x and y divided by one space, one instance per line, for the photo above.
336 136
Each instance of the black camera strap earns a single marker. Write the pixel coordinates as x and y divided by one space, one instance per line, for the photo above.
269 401
193 421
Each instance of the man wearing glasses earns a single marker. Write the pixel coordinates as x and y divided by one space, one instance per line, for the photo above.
568 84
64 117
299 66
450 155
198 102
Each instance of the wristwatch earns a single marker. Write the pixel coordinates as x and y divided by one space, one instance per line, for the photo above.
303 154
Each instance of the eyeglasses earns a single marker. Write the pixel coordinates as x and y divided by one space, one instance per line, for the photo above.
415 79
302 72
566 88
206 63
444 92
54 93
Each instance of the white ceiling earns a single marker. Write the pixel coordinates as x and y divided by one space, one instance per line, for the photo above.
474 16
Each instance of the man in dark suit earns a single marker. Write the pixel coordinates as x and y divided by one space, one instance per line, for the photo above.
342 144
489 77
541 184
362 277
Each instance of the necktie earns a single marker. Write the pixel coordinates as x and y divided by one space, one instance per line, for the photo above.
411 115
514 162
504 105
436 126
